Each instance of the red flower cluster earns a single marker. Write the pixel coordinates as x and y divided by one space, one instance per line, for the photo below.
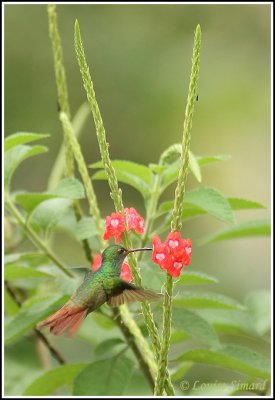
126 273
115 224
172 255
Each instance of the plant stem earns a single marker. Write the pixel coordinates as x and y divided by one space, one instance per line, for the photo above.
36 239
58 166
66 152
93 207
123 323
91 197
72 141
60 77
55 353
151 210
116 193
178 206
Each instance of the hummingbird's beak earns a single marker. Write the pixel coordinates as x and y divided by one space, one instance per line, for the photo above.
139 249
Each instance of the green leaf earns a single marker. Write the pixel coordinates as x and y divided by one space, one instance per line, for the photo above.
11 307
51 380
138 386
165 207
30 314
13 271
136 175
170 174
103 321
258 304
22 366
178 336
32 259
156 168
206 160
194 325
212 202
242 230
104 378
181 370
234 357
243 204
229 321
106 346
194 166
191 210
85 228
70 188
30 201
21 138
15 156
171 154
205 300
47 214
195 278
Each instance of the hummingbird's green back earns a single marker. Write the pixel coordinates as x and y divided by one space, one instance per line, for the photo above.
98 286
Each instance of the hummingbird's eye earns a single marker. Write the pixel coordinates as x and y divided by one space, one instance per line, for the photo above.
120 251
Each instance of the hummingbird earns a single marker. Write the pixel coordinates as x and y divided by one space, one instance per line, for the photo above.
97 288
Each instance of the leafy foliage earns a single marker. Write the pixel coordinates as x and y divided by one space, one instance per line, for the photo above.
36 285
104 377
234 357
50 381
33 311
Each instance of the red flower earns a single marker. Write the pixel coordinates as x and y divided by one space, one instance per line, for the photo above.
96 262
134 220
161 254
125 274
114 226
173 255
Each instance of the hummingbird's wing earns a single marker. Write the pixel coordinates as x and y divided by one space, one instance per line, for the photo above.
129 292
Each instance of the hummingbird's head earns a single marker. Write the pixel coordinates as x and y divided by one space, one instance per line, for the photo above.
117 253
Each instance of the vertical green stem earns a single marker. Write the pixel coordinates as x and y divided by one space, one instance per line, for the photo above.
72 143
151 209
91 197
78 121
66 151
139 338
60 77
177 211
116 193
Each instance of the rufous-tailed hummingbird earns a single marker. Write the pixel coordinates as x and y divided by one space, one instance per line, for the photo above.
98 287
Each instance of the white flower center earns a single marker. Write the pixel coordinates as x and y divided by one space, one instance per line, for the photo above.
141 224
114 222
160 256
188 250
177 265
173 244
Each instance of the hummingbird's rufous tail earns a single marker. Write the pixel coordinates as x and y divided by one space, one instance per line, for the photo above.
68 319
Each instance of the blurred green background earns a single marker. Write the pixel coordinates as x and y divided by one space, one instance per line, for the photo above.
140 60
